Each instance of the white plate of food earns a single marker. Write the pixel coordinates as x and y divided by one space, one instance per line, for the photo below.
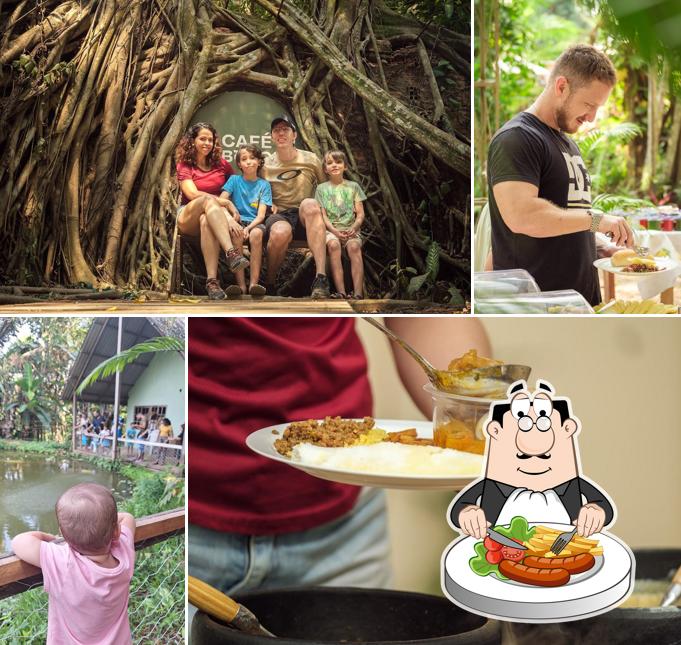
590 576
649 266
384 464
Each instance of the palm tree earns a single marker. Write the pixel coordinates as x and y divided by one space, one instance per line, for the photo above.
30 405
119 362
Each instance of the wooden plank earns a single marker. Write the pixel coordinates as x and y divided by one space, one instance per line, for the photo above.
245 305
17 576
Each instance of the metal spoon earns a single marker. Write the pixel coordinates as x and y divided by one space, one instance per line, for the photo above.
478 382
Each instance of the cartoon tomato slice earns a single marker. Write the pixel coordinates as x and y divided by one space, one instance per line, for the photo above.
509 553
491 545
494 557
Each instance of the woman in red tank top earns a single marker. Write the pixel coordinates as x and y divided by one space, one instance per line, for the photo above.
201 173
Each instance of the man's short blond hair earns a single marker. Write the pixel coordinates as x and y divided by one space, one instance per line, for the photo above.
581 64
88 517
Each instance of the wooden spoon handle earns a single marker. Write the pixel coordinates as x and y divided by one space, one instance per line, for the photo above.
211 601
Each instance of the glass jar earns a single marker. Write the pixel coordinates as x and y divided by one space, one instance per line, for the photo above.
458 421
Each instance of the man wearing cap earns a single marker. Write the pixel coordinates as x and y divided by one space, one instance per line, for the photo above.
294 175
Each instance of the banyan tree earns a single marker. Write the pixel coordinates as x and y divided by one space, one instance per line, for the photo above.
95 95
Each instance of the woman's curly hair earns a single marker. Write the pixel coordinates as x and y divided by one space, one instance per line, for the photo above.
186 150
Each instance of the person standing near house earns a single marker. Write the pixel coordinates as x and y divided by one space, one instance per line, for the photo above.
293 175
539 187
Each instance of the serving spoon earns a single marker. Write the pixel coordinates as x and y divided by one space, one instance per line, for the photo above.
477 382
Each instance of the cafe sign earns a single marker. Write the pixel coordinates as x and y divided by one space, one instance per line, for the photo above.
241 118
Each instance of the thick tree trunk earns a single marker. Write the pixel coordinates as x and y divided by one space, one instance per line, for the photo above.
95 95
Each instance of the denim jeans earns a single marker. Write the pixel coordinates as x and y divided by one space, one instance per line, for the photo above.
352 551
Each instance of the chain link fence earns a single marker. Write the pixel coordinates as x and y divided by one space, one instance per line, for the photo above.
156 608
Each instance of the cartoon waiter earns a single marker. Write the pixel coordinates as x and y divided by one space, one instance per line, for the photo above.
532 469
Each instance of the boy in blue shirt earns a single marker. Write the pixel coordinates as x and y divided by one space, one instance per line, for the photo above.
251 195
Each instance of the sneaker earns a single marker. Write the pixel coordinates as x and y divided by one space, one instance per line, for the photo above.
214 290
233 291
320 287
236 261
257 290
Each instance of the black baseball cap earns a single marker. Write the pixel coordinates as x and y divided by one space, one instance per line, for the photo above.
282 118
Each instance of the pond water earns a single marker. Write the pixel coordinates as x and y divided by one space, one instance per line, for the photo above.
30 485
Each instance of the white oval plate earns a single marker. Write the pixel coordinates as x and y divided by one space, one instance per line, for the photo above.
605 264
589 595
262 442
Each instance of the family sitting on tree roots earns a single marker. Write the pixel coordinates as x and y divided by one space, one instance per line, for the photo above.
287 195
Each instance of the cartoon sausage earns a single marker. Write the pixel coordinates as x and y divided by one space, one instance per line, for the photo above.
533 575
573 564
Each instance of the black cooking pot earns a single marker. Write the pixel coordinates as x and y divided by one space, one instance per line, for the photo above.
334 616
630 626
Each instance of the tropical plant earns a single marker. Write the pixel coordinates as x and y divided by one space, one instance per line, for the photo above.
30 404
120 361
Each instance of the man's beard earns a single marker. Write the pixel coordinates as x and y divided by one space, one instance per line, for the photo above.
563 120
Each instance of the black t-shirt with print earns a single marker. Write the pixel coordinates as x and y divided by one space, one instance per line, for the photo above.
526 149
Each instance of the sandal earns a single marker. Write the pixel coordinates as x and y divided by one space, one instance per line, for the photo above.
355 296
339 295
257 290
233 291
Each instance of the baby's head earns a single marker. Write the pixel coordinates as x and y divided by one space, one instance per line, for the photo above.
88 518
334 162
251 154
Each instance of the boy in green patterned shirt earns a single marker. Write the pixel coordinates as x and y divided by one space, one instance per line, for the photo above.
343 213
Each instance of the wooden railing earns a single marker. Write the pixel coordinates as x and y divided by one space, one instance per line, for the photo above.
17 576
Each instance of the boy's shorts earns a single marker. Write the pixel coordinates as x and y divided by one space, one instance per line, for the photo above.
355 238
290 215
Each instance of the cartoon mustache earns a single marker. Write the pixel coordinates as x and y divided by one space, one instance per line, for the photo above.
522 455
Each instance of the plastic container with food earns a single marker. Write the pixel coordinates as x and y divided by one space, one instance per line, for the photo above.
491 284
458 421
566 301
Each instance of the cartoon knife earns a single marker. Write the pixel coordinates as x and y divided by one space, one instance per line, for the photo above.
503 540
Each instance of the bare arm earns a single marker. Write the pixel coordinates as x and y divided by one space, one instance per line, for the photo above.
127 520
359 216
26 546
259 218
523 211
227 203
327 222
439 340
190 191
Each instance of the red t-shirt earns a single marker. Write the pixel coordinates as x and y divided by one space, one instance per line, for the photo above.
250 373
209 181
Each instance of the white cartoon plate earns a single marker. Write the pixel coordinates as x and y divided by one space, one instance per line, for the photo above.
602 588
665 264
262 442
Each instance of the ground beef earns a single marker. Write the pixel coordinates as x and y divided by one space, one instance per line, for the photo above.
333 432
640 268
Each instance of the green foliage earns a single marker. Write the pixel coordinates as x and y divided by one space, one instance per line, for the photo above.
607 202
40 447
155 493
48 347
120 361
426 280
30 404
604 152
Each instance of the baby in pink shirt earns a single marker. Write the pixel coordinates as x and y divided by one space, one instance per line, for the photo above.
87 577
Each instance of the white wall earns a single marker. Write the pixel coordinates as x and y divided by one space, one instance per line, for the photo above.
162 383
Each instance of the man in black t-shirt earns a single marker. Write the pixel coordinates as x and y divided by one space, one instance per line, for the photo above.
539 187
